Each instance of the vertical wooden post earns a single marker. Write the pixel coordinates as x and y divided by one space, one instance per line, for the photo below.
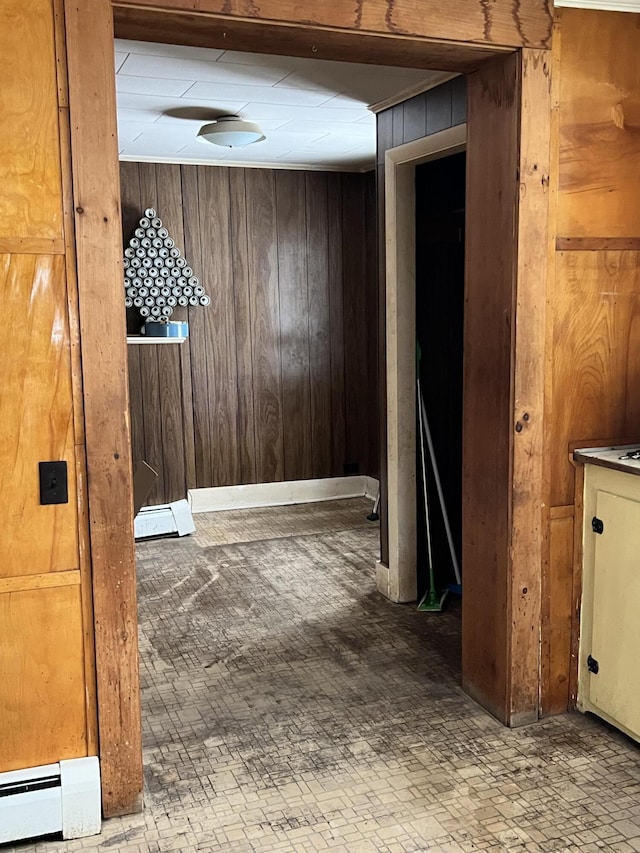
92 107
507 215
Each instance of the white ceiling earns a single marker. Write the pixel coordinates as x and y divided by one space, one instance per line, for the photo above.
314 112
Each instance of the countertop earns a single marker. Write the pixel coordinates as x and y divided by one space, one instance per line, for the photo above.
609 457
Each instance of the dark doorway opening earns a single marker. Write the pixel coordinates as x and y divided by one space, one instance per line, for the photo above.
440 222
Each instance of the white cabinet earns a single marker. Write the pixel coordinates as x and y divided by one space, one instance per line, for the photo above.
609 665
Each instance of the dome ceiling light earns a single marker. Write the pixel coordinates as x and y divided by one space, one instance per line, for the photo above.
231 132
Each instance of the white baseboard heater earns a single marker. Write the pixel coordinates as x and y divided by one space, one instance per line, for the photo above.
164 520
62 797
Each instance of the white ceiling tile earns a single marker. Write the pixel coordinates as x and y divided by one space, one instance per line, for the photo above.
313 112
208 54
258 94
151 86
359 129
258 111
119 59
160 104
130 114
172 68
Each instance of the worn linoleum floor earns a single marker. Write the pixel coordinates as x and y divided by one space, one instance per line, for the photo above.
288 707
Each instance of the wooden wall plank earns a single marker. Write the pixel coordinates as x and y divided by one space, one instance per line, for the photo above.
31 199
558 629
492 183
527 23
171 421
294 323
600 112
42 714
336 322
104 367
355 343
138 444
154 450
317 252
197 332
528 475
596 345
242 308
37 415
265 319
219 324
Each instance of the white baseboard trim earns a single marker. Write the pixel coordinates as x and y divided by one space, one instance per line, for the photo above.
164 520
62 797
281 494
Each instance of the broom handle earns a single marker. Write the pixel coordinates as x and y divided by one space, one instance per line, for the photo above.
423 461
434 465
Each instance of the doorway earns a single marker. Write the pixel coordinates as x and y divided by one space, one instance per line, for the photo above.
399 580
440 226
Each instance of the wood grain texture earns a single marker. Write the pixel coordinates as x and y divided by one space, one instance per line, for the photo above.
293 302
37 415
558 607
505 22
204 30
99 258
492 191
355 319
31 198
242 308
265 321
263 374
596 344
317 254
42 714
528 498
599 121
598 244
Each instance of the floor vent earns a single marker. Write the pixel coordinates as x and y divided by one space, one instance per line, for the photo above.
62 797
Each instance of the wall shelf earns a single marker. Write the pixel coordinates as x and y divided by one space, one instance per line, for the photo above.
143 339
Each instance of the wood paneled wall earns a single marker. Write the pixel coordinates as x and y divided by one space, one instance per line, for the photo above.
48 711
278 380
439 108
593 349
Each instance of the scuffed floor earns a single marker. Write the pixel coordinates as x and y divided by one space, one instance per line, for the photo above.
288 707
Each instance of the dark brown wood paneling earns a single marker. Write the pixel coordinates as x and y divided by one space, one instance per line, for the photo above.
336 320
294 323
317 247
219 324
242 300
259 388
265 325
355 345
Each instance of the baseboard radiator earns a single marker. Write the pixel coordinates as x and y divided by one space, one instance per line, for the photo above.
55 798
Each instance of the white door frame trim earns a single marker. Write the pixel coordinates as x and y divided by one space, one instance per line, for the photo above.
398 581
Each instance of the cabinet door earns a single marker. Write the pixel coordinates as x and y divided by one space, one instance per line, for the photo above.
616 617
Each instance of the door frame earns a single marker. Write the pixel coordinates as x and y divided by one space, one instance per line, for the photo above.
98 241
398 580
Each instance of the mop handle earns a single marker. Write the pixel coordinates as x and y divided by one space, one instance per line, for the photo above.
434 465
423 461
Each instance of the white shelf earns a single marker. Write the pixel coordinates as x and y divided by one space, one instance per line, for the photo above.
143 339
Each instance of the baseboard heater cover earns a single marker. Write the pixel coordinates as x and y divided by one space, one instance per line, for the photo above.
164 520
62 797
282 494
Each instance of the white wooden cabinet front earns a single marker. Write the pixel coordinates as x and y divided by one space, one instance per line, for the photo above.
609 665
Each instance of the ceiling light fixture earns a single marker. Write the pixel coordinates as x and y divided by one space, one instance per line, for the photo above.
231 132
